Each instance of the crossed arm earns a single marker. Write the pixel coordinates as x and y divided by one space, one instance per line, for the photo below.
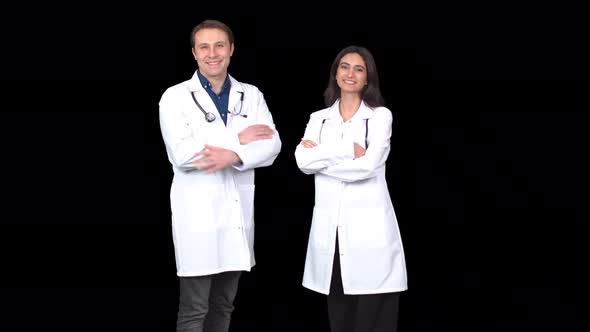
345 159
215 158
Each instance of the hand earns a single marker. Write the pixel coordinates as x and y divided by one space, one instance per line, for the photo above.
254 133
215 159
359 151
308 143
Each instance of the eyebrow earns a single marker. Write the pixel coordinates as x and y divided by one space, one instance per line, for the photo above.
213 43
357 66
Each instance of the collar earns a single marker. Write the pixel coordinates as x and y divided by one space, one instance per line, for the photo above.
207 85
195 84
333 112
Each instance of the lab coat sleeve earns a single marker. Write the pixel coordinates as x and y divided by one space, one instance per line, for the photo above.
181 143
375 156
313 160
259 153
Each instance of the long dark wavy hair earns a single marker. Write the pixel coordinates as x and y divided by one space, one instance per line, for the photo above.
371 94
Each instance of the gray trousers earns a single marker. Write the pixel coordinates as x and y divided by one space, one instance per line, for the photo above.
206 302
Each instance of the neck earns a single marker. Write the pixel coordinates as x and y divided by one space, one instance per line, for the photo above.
349 104
216 82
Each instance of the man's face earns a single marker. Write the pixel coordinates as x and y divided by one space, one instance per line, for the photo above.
213 52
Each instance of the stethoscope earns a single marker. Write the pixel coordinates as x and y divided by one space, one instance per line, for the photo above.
366 132
210 117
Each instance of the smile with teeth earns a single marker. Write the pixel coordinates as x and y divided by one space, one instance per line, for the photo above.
349 82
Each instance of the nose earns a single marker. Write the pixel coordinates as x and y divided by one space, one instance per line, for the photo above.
212 53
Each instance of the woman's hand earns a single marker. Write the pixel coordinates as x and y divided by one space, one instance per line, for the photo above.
308 143
359 151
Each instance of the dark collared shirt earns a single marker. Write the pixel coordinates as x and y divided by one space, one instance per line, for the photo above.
220 100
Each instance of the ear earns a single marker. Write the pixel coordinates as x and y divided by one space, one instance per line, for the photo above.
232 47
194 53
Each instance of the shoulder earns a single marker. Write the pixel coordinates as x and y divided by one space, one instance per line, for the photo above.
246 87
382 113
175 91
321 114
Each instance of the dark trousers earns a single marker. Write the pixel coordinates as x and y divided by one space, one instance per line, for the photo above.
360 313
206 302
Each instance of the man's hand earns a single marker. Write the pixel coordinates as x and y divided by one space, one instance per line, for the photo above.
215 159
254 133
308 143
359 151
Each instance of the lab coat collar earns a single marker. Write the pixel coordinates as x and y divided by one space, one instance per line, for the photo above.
364 111
194 84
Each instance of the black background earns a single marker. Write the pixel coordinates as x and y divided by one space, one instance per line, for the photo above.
487 172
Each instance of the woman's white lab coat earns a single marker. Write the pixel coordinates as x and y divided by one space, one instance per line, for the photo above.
352 200
212 214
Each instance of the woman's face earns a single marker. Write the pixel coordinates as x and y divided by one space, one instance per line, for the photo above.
351 74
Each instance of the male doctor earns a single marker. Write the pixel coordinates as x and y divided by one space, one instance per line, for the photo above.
216 131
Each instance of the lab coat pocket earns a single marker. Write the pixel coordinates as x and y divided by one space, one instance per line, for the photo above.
321 237
247 203
195 207
368 228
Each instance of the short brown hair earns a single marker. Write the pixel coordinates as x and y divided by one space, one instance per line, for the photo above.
212 24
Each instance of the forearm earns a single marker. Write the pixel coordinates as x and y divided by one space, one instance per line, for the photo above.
312 160
260 153
361 168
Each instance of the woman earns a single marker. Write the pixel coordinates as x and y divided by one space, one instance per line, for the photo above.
355 254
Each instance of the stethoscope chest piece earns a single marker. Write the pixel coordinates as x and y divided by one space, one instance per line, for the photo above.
210 117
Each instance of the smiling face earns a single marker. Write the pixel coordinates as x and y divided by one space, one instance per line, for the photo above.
351 74
212 51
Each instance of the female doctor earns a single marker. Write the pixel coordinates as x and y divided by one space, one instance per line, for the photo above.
355 254
216 130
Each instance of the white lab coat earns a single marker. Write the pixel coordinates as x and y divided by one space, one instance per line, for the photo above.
351 197
212 214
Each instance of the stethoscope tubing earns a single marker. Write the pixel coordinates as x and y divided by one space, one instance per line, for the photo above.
210 117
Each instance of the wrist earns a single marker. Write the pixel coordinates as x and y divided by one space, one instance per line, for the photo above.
237 159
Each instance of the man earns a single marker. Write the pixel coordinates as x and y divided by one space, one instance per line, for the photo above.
216 131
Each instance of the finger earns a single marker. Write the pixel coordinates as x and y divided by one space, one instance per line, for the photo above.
203 154
212 168
199 164
311 144
200 153
206 168
260 126
263 130
265 134
203 163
